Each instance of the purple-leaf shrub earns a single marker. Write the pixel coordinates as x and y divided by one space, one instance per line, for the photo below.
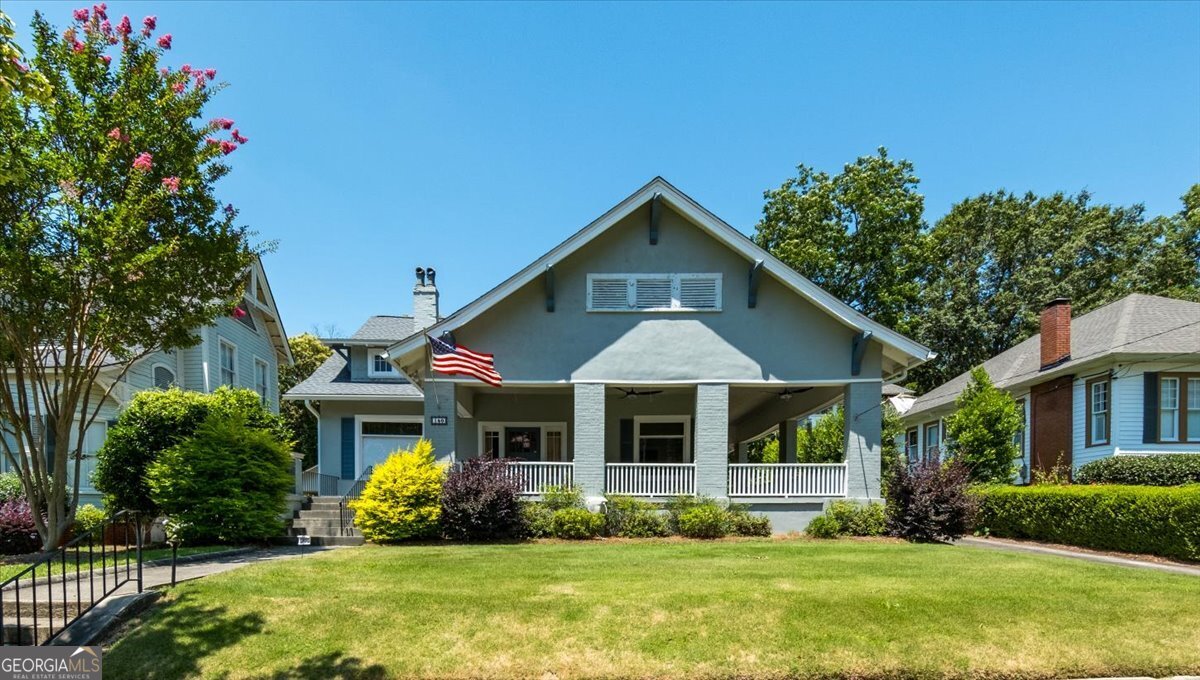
481 502
929 502
18 535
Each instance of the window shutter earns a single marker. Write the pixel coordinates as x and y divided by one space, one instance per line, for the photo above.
626 440
700 293
608 293
348 448
652 293
1149 408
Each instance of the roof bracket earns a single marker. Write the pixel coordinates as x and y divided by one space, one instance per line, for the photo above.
755 277
858 349
548 282
655 217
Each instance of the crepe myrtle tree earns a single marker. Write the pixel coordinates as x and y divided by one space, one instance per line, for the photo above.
112 242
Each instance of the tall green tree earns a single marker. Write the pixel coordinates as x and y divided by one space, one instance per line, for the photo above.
1000 257
112 241
982 429
826 441
856 234
309 353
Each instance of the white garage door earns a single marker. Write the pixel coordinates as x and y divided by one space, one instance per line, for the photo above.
380 439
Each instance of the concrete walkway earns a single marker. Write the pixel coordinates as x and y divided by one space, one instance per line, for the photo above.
1034 548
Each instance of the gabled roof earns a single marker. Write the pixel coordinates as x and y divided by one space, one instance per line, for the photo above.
903 350
1134 325
331 380
259 296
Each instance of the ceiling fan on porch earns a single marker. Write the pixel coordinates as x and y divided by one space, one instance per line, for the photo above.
634 394
787 392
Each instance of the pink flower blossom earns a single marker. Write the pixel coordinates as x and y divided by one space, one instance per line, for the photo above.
78 47
164 41
210 73
115 133
223 123
81 14
106 59
178 87
164 70
124 28
200 79
143 162
69 35
100 10
106 27
113 40
212 141
150 22
171 184
228 147
186 68
237 137
20 67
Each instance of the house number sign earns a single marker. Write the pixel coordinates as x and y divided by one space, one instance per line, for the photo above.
439 420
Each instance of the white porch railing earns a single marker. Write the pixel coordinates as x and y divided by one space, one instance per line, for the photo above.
787 480
536 476
650 479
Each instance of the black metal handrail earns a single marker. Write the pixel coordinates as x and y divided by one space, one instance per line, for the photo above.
345 514
318 483
74 572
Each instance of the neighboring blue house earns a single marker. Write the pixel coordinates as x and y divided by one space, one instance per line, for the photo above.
1120 380
638 357
244 350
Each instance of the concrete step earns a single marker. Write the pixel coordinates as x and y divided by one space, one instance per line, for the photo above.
316 523
324 505
320 514
338 540
322 531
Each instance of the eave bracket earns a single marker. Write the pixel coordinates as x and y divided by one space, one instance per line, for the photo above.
655 218
755 277
858 350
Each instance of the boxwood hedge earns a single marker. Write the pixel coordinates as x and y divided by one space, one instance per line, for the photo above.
1141 519
1164 470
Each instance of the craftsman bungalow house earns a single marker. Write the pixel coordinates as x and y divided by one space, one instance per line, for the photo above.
637 356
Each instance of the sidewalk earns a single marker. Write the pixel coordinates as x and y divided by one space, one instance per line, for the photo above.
1016 546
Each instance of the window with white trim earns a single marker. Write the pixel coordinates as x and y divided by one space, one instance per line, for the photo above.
1192 418
164 377
1097 406
378 366
545 442
1168 409
653 292
261 373
662 439
228 363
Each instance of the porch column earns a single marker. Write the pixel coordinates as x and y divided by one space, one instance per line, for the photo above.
743 452
863 439
712 440
787 441
440 401
589 440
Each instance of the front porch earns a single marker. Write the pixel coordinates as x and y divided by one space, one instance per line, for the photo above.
659 441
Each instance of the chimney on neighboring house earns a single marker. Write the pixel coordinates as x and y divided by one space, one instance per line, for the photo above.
425 299
1056 332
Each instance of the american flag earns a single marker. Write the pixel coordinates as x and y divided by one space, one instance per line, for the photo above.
453 359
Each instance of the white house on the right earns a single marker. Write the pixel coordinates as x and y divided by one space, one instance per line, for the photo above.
1123 379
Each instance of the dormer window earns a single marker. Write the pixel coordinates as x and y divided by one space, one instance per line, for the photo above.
654 293
378 366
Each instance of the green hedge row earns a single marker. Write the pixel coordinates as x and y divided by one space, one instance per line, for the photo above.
1141 519
1165 470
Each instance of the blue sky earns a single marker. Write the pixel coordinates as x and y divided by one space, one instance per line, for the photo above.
474 137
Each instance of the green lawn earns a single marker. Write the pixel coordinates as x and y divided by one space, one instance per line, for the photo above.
11 569
752 608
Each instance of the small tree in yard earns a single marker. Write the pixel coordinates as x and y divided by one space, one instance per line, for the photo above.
929 502
481 501
112 242
308 353
403 498
982 429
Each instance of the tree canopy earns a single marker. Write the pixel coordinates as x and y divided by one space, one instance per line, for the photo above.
308 353
981 433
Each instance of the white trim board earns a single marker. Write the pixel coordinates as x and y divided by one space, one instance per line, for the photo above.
913 353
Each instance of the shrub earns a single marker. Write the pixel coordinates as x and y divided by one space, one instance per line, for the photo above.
10 487
561 497
18 535
481 502
847 518
704 521
677 505
745 524
536 517
155 421
88 518
929 502
823 526
576 523
1141 519
403 498
633 518
1164 470
227 483
982 428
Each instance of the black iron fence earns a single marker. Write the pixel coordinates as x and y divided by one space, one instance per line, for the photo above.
344 512
60 586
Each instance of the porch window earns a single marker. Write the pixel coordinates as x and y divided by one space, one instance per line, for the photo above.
663 439
1097 410
653 292
525 441
228 363
379 366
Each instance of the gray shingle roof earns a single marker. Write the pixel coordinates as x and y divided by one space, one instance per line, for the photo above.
332 378
1137 324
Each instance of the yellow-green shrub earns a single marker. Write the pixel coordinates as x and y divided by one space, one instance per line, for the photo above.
403 498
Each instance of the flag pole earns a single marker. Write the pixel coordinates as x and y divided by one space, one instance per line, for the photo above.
429 362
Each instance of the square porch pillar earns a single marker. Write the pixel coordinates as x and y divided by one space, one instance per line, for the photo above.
712 440
589 440
787 441
441 419
864 439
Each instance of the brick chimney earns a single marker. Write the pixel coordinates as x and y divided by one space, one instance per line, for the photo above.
425 299
1056 332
